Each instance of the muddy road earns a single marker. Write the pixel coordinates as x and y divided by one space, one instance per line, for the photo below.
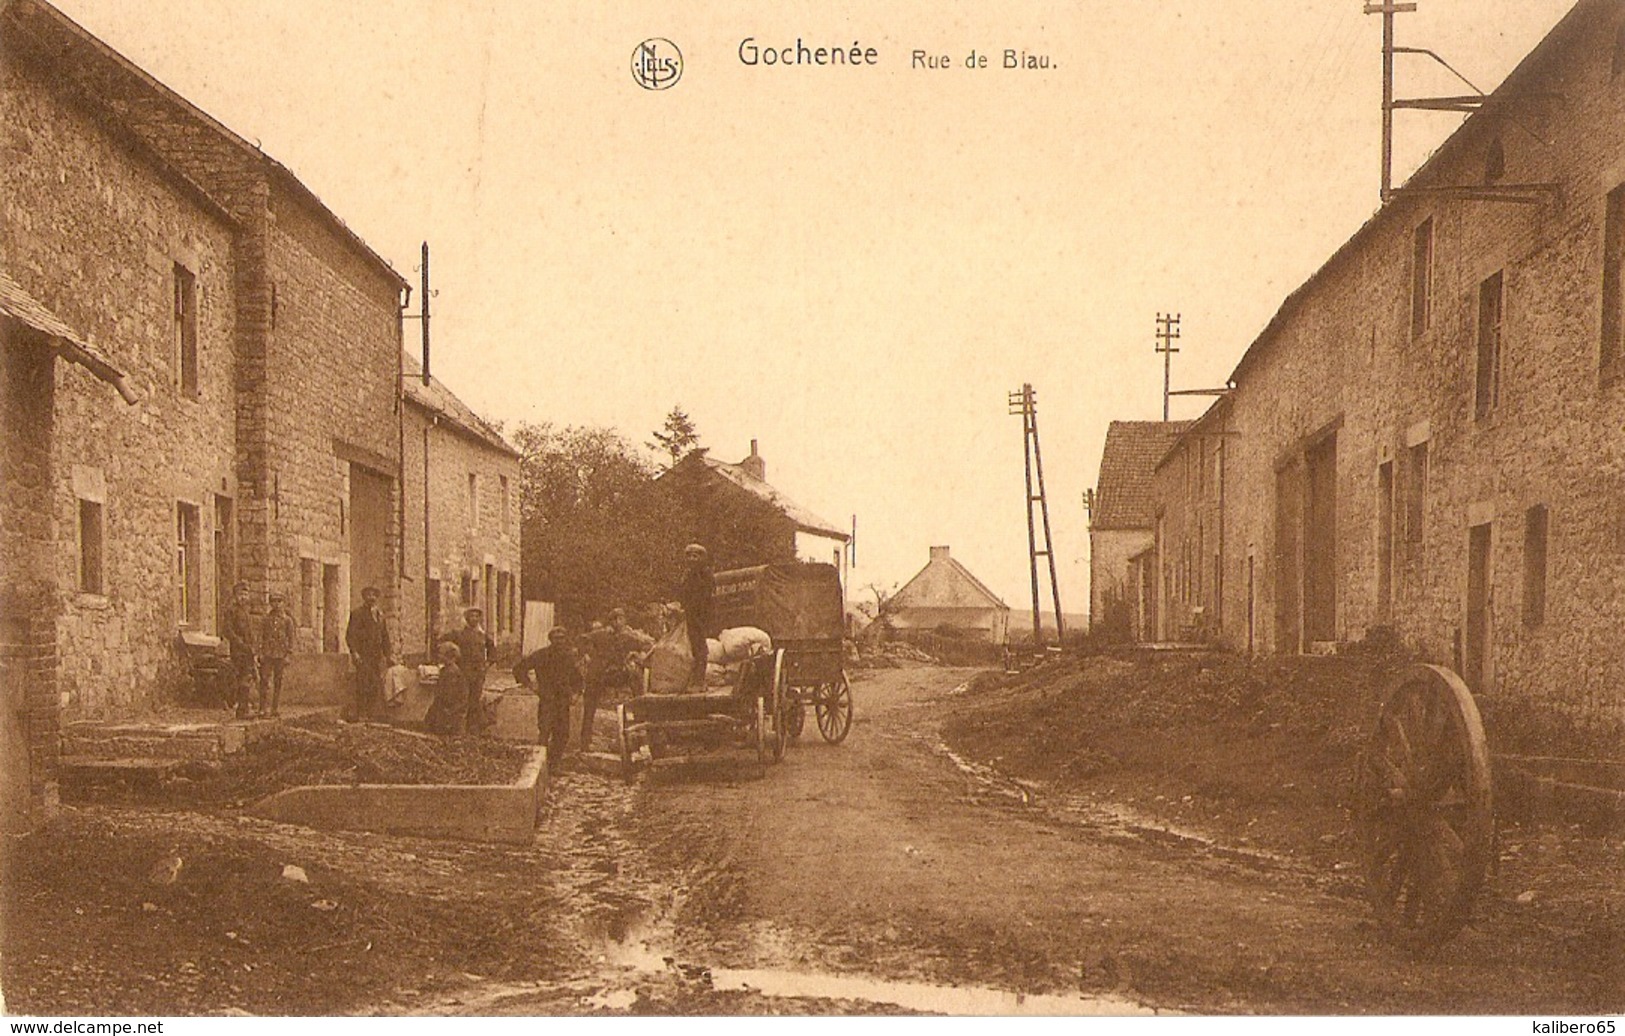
886 869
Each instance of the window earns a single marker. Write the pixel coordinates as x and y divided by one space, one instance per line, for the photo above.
310 581
1416 482
186 331
90 547
473 501
431 607
188 562
1422 278
507 512
1487 390
1613 295
499 621
1385 539
1535 521
467 599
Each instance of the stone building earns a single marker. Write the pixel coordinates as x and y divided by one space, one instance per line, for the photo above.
469 518
945 596
156 250
1122 524
1427 435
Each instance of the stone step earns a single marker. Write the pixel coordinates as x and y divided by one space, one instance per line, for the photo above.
80 769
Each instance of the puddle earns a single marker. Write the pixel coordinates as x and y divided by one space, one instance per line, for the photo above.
921 996
639 952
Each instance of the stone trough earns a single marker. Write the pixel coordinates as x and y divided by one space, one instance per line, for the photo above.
470 812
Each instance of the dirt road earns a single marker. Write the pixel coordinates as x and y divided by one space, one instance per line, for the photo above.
886 857
881 875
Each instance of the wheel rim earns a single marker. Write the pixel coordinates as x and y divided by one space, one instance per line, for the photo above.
761 731
624 741
834 711
1426 807
780 682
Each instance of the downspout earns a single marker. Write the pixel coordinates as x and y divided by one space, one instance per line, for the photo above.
400 425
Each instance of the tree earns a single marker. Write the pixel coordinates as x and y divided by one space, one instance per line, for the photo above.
678 437
598 530
883 596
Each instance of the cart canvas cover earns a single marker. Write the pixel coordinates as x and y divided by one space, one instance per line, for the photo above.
796 602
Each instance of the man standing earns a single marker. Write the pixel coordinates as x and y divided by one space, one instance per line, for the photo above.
609 666
475 647
558 679
276 644
238 633
367 637
695 597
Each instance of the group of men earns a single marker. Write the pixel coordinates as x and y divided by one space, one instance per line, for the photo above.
260 649
593 667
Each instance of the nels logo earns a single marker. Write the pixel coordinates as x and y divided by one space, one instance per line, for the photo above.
657 64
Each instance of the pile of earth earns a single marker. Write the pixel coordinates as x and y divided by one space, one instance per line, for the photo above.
329 752
136 912
1259 751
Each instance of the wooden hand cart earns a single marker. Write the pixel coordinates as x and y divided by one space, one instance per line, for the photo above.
750 713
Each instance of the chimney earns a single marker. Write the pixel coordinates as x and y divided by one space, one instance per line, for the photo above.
939 553
754 465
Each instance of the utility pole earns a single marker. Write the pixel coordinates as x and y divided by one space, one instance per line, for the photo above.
1025 403
424 306
1167 335
1388 10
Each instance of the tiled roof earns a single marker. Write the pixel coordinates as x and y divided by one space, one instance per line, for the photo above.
1123 498
803 518
435 397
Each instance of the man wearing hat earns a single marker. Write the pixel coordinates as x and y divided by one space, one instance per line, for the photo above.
237 630
276 644
557 677
367 637
695 596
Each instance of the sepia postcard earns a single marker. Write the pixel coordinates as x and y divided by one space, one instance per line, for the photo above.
584 510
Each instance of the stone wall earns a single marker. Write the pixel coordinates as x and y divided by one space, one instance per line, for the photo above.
1109 576
1342 364
95 231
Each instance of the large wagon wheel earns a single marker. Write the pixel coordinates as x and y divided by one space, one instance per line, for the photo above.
781 687
1426 807
623 741
834 710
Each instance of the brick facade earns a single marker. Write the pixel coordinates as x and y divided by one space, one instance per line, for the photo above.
1427 438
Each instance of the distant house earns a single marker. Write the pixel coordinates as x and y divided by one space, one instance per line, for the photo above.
944 595
1122 526
743 520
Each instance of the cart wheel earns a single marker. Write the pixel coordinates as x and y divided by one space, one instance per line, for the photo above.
781 681
762 736
834 711
795 717
1426 807
624 741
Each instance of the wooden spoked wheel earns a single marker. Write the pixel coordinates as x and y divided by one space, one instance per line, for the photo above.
623 741
1426 807
834 710
781 688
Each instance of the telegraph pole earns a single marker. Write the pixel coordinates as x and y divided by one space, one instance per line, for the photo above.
1388 10
1167 335
1025 403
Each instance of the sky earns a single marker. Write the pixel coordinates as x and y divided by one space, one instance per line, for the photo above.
853 265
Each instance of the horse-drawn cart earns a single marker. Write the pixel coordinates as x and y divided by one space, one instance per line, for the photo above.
748 713
802 608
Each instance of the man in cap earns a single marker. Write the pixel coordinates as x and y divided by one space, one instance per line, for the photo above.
695 596
557 676
475 647
367 637
237 630
276 644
